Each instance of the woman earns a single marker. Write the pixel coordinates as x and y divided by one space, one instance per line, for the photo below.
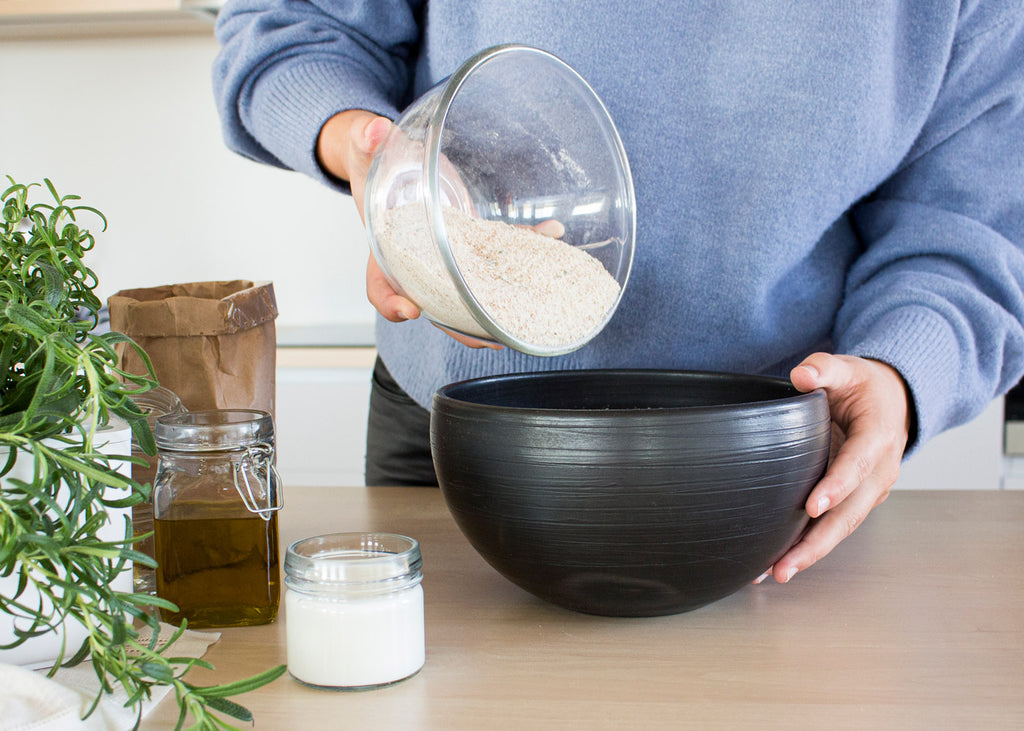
831 192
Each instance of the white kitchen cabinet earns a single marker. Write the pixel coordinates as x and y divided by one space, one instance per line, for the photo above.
322 402
969 457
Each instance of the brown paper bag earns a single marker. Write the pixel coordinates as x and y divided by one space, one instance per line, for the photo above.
213 343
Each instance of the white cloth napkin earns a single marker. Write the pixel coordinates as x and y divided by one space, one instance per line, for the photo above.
29 701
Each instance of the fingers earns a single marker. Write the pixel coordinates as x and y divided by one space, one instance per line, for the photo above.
396 308
829 531
866 459
345 148
869 405
468 341
553 228
385 300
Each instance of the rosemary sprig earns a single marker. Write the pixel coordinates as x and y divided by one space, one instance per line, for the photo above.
59 383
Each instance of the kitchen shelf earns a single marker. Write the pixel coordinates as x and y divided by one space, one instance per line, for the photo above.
43 19
326 357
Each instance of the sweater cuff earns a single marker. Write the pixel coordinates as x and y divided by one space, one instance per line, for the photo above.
922 346
291 102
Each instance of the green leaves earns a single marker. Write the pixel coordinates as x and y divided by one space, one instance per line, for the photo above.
242 686
59 384
200 700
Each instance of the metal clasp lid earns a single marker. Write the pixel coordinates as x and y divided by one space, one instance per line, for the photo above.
257 480
244 436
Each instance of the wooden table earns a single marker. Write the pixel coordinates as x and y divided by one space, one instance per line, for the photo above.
916 621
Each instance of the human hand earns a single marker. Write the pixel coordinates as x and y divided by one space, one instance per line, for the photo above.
396 308
345 148
869 405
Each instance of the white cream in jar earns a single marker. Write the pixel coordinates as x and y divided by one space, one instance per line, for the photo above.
354 609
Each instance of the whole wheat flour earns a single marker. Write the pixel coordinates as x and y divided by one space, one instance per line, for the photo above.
539 289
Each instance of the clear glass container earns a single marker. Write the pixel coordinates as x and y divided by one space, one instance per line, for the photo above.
215 504
513 145
157 402
354 606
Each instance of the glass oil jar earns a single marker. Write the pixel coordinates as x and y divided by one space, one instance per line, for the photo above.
154 403
354 607
215 503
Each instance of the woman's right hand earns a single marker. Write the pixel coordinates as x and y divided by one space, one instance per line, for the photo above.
345 150
346 145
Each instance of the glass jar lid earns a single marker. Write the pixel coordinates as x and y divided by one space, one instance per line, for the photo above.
157 402
353 563
214 430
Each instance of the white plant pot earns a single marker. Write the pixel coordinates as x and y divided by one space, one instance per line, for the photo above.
42 651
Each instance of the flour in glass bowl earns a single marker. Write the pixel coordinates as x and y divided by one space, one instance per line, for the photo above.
537 288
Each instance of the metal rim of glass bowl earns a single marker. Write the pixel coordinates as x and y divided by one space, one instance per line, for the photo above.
435 218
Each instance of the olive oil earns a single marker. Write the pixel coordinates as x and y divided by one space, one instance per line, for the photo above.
220 571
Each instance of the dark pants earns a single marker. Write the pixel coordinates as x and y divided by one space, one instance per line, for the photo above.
397 435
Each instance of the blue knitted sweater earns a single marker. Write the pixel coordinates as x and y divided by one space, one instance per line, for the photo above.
838 176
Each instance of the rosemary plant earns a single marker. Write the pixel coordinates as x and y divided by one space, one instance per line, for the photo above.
59 383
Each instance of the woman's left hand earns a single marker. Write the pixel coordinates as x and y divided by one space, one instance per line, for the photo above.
870 410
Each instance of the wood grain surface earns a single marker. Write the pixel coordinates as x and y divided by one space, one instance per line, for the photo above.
916 621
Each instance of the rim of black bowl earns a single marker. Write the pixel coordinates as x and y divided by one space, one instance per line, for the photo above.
467 393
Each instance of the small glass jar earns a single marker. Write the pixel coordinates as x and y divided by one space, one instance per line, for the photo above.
154 403
215 506
354 607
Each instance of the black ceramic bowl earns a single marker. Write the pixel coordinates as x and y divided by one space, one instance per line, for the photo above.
630 492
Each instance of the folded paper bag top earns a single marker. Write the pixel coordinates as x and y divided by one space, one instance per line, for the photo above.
213 343
199 308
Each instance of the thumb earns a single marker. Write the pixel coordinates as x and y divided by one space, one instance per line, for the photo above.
347 140
368 132
820 370
366 135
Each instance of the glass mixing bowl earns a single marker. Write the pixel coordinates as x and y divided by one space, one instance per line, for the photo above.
502 204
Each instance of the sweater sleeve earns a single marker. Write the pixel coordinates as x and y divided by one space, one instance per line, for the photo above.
285 67
939 291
